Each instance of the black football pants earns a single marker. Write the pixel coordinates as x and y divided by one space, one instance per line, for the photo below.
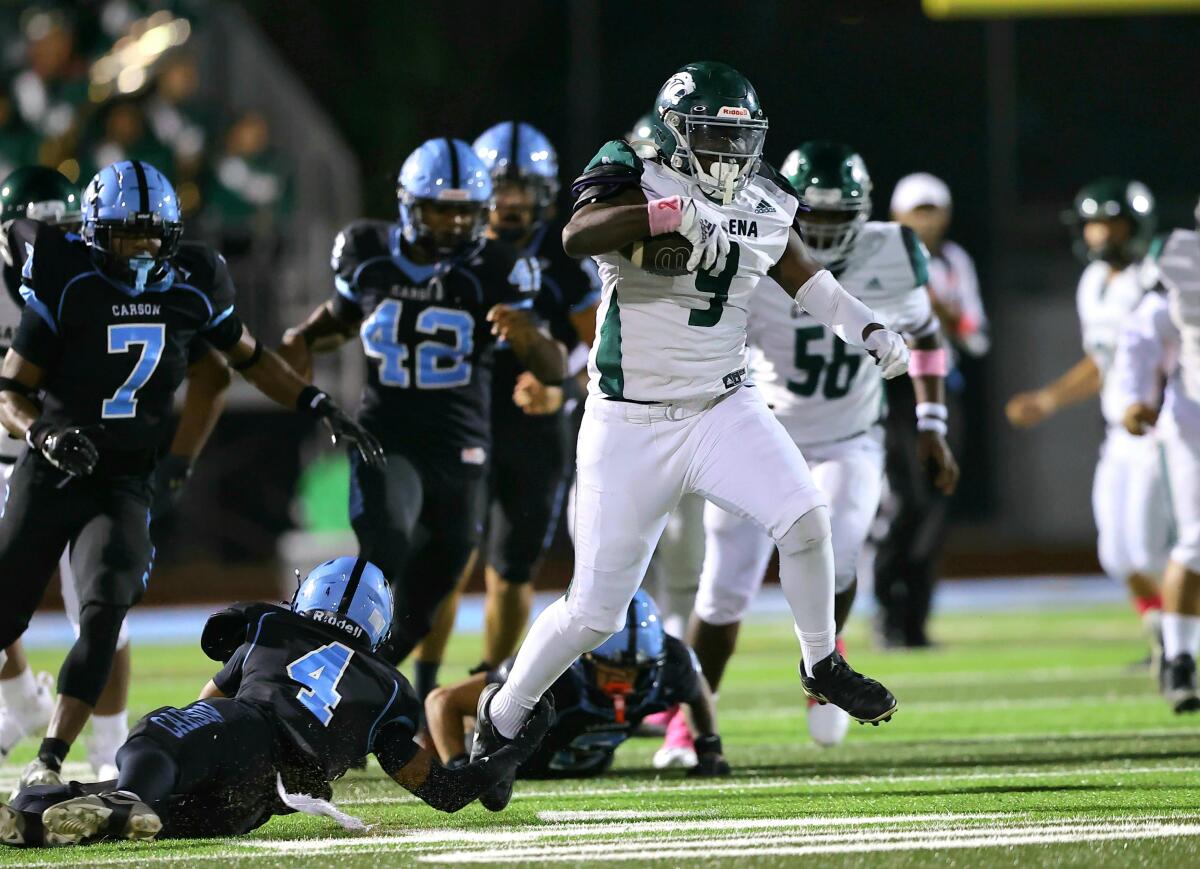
417 520
105 520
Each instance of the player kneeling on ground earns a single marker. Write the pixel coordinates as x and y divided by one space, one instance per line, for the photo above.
301 697
600 699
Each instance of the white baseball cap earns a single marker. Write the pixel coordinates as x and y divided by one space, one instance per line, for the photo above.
920 188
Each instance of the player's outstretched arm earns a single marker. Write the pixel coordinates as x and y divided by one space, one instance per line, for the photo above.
819 293
448 790
537 351
602 227
1081 382
19 383
68 448
274 378
446 709
323 332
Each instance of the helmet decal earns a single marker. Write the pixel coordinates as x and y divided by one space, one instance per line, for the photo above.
678 86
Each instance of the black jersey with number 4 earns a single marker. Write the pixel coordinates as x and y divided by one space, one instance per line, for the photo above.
113 357
332 701
424 329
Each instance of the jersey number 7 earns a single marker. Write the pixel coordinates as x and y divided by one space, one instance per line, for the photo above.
152 336
320 671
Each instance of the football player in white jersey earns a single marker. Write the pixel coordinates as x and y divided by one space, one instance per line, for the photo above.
668 410
1129 497
829 398
1164 339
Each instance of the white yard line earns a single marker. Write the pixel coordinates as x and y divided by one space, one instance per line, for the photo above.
610 815
961 706
735 785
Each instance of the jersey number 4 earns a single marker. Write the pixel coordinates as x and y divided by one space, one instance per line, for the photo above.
838 370
319 672
439 365
152 338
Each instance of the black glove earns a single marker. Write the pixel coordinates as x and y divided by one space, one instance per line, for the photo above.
710 759
170 476
69 448
341 427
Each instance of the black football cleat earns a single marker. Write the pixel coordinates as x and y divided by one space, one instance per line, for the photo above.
114 814
488 741
1179 684
834 681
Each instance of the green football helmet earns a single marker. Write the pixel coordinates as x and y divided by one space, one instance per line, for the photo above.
649 136
37 193
716 127
832 180
1111 197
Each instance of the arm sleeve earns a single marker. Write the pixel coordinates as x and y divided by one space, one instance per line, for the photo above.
36 339
682 673
1141 352
224 327
614 169
229 677
826 299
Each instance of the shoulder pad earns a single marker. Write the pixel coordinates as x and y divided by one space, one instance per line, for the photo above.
769 173
614 168
918 258
197 264
225 631
359 241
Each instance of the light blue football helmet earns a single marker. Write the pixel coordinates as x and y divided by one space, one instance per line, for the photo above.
352 588
639 649
443 173
131 198
517 151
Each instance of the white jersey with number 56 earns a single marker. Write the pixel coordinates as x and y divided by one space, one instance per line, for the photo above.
683 338
821 388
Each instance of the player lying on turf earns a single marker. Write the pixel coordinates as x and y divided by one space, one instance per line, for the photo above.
1162 342
88 384
301 697
599 702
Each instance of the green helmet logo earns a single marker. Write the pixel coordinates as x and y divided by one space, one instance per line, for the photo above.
833 181
715 127
1109 198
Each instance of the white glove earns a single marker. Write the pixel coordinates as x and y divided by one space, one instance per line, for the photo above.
710 242
526 275
890 352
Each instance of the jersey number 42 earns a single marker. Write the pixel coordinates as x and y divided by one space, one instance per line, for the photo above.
438 365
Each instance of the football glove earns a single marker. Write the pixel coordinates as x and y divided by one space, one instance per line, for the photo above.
170 475
710 242
341 426
710 758
69 448
890 352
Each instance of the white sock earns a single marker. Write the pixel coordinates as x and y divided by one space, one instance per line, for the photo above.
553 643
1181 635
806 576
20 691
110 730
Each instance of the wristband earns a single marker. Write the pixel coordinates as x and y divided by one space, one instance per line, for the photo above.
666 215
928 363
35 435
710 744
933 409
309 400
929 423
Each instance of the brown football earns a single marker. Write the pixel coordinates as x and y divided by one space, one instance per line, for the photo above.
664 255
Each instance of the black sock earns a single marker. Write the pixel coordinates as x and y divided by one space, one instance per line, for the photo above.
425 675
53 752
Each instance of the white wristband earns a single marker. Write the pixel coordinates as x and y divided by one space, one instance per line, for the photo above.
932 409
929 423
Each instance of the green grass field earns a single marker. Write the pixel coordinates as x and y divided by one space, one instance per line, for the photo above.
1025 740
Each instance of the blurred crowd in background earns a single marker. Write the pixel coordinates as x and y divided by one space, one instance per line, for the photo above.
84 84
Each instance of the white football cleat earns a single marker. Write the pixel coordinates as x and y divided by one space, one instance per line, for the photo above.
827 724
73 821
37 773
16 724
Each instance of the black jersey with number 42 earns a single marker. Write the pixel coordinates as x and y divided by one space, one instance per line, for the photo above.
113 357
424 329
330 698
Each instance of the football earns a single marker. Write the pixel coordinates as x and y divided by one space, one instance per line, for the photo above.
664 255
